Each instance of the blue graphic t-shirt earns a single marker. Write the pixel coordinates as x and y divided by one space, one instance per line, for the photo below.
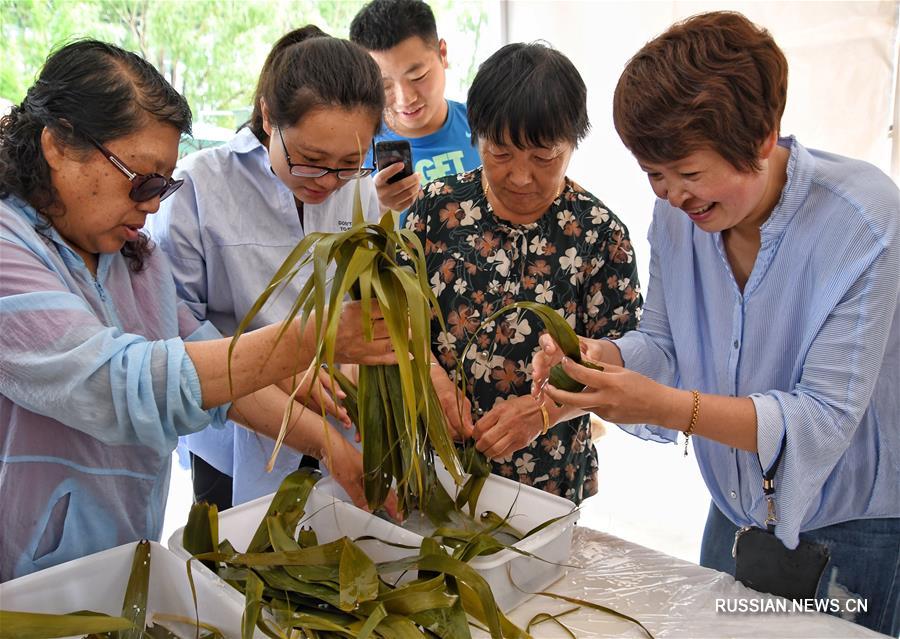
447 151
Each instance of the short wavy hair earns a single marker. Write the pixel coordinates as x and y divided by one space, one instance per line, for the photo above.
715 80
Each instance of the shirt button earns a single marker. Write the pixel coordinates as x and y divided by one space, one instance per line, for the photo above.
736 343
733 495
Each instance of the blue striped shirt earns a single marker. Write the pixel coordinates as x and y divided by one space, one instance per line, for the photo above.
813 340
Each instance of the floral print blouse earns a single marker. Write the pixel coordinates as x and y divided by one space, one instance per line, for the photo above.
577 259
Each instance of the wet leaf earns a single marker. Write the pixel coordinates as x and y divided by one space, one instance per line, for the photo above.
134 604
32 625
358 577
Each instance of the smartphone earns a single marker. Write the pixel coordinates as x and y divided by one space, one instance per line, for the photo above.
390 152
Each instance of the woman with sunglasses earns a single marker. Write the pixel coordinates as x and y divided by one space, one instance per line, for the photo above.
293 169
101 367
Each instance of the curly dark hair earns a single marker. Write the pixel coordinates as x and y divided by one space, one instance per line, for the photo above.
86 89
715 80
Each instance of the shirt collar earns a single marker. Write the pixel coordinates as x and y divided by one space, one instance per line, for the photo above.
245 141
46 230
796 188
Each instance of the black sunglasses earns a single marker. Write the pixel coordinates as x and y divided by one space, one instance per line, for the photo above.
312 171
143 186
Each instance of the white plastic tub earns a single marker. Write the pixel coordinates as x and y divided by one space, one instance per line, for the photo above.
97 582
511 576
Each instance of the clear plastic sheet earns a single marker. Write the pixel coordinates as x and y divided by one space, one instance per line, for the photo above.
671 597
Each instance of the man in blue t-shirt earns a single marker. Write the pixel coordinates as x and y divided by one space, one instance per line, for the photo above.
401 35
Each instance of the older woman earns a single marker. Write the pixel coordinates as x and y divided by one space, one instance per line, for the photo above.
771 330
101 367
518 229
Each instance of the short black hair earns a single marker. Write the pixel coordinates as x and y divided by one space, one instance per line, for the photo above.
383 24
530 91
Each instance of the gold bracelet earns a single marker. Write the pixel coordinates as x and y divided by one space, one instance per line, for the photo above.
695 415
546 417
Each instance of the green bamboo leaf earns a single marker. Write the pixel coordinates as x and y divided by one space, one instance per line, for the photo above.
253 591
398 450
475 607
396 627
291 496
373 619
372 429
433 559
542 617
323 554
134 604
283 542
358 217
596 606
198 535
358 576
34 625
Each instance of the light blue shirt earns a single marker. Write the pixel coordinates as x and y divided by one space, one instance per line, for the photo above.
814 341
226 231
95 388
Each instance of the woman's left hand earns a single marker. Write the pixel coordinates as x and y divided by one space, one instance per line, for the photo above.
318 393
615 394
509 426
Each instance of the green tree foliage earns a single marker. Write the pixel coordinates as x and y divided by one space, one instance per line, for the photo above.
210 50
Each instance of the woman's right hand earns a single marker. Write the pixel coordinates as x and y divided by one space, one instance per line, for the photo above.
399 195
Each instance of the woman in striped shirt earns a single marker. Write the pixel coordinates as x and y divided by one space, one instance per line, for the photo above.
771 329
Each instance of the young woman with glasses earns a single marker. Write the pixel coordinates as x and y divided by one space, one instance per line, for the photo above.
101 367
293 170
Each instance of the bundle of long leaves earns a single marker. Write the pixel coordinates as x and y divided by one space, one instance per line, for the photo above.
131 624
399 417
334 590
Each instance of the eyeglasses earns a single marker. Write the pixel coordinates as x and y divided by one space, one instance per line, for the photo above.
312 171
143 186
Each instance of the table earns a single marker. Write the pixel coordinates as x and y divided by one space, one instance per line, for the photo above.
671 597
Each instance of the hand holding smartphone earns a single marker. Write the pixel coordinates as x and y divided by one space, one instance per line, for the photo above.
390 152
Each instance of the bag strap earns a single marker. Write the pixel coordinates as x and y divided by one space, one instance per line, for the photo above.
769 485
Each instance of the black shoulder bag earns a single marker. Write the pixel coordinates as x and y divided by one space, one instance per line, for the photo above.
763 563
